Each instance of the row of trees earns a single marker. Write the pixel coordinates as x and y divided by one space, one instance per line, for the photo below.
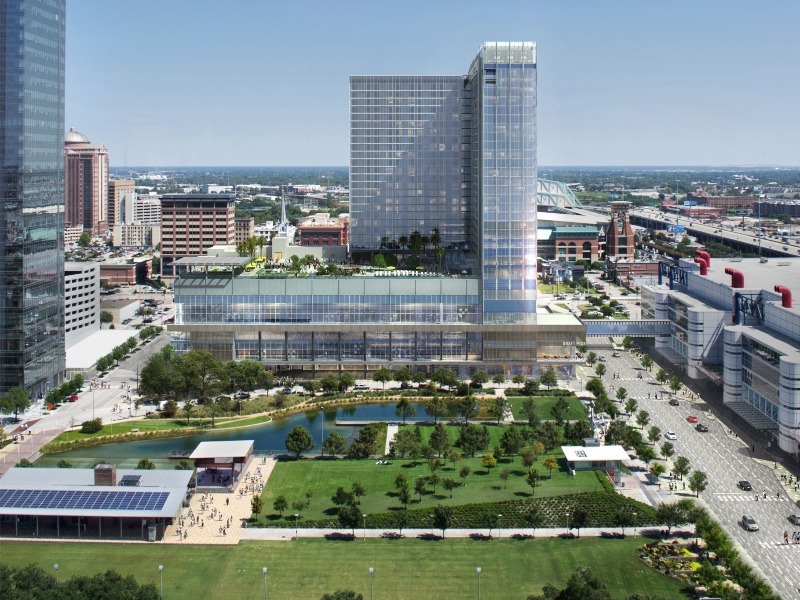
23 583
105 363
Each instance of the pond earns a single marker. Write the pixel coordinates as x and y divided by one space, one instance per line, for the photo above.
269 437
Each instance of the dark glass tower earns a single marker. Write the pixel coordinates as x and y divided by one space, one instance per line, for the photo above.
32 194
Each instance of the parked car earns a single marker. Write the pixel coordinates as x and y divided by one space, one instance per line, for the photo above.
615 354
701 428
73 398
795 519
745 485
602 358
241 395
749 523
670 435
360 387
692 419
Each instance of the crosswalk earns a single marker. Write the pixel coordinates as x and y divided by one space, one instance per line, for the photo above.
738 497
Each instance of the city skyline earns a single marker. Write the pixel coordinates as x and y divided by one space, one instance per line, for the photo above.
268 85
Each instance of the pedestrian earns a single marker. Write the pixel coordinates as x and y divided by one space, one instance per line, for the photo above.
785 537
765 494
227 501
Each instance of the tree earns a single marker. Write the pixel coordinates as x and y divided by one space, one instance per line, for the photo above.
579 519
464 473
256 504
488 461
378 261
681 466
479 379
499 379
654 434
146 463
449 485
531 387
204 371
419 377
698 482
334 444
549 378
627 342
85 239
280 504
657 469
358 491
404 442
434 480
591 358
647 362
642 419
405 409
299 440
419 487
439 439
661 376
445 377
621 394
17 399
667 450
530 411
106 317
533 479
549 435
402 375
442 517
366 444
346 380
518 379
343 595
560 410
401 520
329 383
473 439
504 475
671 514
498 409
404 496
467 408
631 405
550 462
512 441
64 464
342 497
437 408
623 518
675 384
350 516
383 375
600 370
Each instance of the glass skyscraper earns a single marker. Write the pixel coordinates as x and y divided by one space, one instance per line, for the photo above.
458 154
32 190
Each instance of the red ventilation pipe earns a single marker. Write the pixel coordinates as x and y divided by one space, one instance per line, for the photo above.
786 296
705 255
737 278
703 265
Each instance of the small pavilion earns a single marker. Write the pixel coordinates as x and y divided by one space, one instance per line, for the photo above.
594 458
216 463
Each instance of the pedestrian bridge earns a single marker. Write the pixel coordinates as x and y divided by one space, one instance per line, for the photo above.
632 328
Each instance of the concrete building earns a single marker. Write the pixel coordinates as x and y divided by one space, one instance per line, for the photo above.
136 236
121 309
85 183
121 199
32 192
244 229
71 236
192 223
147 210
81 300
734 321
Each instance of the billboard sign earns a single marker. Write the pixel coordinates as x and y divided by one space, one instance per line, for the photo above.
689 203
677 228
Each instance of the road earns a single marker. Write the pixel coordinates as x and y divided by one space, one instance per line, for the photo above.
726 460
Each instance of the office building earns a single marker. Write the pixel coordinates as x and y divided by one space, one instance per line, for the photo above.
86 183
323 230
121 199
147 210
245 229
136 236
81 300
32 193
734 322
193 223
443 170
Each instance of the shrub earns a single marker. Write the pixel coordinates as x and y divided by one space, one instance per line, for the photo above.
92 426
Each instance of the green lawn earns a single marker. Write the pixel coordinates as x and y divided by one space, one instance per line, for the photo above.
291 479
545 404
305 569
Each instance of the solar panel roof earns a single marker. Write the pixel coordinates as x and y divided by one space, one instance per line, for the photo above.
83 500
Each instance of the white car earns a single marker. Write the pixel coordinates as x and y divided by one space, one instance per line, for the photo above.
670 435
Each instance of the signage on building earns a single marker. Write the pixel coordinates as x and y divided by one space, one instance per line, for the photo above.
677 228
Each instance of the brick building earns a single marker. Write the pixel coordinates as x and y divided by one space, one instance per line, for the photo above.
85 183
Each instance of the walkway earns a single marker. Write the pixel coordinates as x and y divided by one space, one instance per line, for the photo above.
391 431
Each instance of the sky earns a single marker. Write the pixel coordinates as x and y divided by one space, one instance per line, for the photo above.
265 82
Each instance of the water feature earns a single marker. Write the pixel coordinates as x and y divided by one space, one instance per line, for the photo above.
269 437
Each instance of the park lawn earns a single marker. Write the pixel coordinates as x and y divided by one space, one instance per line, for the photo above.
307 568
293 478
495 432
126 427
545 405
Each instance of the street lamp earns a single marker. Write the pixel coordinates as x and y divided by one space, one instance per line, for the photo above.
371 571
566 518
55 567
635 514
499 527
479 582
296 516
264 570
161 574
364 525
432 532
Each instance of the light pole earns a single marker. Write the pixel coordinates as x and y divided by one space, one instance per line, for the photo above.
296 516
161 575
634 523
92 404
499 526
479 582
264 570
364 525
432 532
566 519
371 571
55 568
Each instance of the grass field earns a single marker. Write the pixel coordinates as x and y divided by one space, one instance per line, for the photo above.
292 479
544 404
305 569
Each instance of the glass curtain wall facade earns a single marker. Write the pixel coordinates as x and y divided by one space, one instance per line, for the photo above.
32 190
406 171
502 91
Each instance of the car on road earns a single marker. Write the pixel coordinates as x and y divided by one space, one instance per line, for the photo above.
795 519
602 358
745 485
701 428
674 401
360 386
73 398
241 395
692 419
670 435
615 354
749 523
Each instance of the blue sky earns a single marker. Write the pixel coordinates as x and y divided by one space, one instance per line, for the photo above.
265 82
